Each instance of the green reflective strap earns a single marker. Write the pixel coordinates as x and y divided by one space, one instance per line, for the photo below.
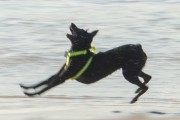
67 62
73 54
82 52
83 69
77 53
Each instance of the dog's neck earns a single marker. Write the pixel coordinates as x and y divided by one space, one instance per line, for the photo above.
78 53
73 53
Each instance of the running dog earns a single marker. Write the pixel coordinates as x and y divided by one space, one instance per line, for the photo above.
87 67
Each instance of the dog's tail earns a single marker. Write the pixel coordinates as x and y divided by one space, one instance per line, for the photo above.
141 51
139 47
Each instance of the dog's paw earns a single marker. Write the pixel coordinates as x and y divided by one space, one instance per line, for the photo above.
22 86
30 94
25 87
133 100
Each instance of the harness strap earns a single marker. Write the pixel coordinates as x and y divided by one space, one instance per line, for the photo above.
83 69
78 53
73 54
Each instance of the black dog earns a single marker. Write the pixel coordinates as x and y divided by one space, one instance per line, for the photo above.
86 67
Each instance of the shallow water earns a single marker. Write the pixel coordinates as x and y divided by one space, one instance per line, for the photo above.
33 41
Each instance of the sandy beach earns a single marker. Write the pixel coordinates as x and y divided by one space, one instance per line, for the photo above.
80 108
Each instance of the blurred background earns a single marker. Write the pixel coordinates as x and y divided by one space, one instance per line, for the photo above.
33 41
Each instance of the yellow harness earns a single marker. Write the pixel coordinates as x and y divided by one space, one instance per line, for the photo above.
78 53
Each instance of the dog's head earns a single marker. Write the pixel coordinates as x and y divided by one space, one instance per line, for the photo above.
80 38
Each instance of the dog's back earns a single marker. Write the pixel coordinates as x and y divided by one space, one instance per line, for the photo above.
105 63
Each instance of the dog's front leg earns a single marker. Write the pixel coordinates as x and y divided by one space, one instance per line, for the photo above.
51 84
36 85
53 81
43 82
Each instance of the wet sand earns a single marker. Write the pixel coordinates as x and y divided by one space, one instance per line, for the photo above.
80 108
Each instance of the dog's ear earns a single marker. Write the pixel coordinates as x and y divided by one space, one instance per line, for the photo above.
94 33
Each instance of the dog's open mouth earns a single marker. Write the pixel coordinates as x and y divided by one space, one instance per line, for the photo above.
73 29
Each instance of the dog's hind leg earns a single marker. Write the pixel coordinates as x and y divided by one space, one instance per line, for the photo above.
144 88
132 77
146 78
